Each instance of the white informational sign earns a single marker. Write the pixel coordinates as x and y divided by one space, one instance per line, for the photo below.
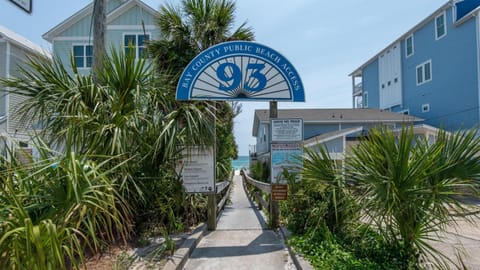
197 170
285 155
287 130
23 4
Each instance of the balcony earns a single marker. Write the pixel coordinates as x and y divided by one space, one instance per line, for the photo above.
358 89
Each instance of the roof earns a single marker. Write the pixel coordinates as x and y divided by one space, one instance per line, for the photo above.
21 41
402 37
325 137
87 10
334 116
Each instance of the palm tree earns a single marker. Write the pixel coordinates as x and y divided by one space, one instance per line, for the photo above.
186 30
192 27
128 114
410 188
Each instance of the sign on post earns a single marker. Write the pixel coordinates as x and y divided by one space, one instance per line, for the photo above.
197 169
284 156
279 192
287 130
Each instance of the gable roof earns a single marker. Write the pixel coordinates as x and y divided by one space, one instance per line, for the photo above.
21 41
87 10
334 116
127 6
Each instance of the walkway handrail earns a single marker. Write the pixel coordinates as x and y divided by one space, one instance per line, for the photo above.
265 187
219 187
271 206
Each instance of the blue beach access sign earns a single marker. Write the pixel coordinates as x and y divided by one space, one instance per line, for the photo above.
243 71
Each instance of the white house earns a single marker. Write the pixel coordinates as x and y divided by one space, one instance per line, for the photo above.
14 52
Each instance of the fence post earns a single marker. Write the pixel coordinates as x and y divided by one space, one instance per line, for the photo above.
274 210
212 212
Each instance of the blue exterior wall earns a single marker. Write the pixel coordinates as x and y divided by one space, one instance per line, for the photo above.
370 82
453 92
311 130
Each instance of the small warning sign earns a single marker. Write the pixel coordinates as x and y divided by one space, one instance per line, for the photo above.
279 192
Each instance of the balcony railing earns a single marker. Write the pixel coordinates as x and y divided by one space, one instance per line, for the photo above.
358 89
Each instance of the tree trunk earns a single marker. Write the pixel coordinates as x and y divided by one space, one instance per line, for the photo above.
99 21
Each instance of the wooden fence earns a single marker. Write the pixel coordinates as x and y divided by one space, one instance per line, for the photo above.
271 206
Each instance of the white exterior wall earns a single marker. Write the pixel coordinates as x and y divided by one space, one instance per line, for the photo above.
18 57
390 77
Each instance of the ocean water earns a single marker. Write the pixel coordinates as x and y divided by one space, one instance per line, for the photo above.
241 162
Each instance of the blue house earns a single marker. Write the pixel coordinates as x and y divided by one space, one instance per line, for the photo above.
129 23
431 72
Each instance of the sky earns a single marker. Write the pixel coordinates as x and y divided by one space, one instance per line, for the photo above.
324 40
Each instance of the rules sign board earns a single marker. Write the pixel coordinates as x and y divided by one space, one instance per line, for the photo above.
279 192
285 156
197 170
287 130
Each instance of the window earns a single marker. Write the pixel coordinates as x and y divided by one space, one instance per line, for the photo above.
409 46
136 42
440 26
424 72
365 100
83 56
425 108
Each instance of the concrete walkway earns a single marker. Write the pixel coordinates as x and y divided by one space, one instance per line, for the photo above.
461 240
241 240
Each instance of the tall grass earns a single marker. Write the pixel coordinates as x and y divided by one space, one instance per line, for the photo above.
53 210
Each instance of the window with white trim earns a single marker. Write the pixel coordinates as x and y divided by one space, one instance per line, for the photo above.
440 26
425 108
409 46
424 72
83 56
136 42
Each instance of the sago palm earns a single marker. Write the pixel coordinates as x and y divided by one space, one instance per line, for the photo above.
186 30
192 27
410 187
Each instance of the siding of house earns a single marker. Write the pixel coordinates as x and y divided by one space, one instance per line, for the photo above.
311 130
453 92
452 95
3 73
263 138
371 85
134 16
82 28
18 57
113 4
3 57
81 33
